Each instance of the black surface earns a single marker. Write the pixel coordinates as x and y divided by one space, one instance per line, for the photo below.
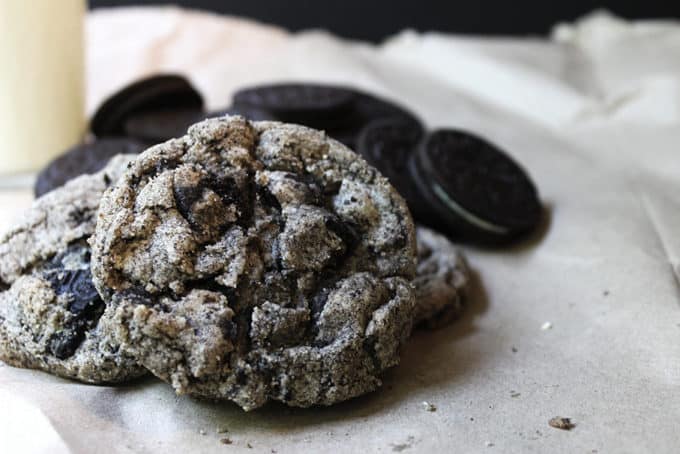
375 19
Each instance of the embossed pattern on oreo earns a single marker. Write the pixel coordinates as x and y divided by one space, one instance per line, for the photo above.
467 174
296 101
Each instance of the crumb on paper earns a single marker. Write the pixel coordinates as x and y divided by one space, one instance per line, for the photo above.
249 446
605 293
514 349
429 406
202 432
488 444
405 445
226 441
221 430
561 423
514 394
546 326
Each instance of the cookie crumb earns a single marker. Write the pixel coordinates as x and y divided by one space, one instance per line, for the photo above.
249 446
546 326
202 432
514 394
514 349
221 430
429 406
488 444
605 293
561 423
403 446
226 441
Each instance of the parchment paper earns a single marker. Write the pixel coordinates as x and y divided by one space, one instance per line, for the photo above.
594 115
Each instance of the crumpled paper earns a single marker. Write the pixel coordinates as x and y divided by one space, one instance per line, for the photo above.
593 113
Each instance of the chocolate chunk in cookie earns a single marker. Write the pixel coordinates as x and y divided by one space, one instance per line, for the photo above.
50 311
160 92
476 191
83 159
256 261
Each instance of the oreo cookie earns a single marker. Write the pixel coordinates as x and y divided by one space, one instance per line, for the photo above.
388 144
365 110
311 105
476 191
340 111
156 93
83 159
161 125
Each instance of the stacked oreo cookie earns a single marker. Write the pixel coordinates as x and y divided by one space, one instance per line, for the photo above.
453 180
141 114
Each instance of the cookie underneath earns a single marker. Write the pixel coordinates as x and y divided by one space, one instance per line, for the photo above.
50 312
442 280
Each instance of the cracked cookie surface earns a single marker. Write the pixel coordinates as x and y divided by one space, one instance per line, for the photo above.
442 280
50 311
256 261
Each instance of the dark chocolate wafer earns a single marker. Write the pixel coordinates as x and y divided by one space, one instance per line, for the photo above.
161 92
388 144
476 190
307 104
83 159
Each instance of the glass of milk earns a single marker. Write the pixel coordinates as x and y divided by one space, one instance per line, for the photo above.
42 82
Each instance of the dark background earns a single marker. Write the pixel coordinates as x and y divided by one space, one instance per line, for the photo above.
375 19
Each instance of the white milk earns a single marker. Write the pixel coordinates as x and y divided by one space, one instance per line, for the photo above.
41 82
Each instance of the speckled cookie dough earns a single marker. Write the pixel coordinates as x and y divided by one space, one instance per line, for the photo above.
442 280
255 262
50 311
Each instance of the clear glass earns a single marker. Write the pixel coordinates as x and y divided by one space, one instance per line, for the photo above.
41 82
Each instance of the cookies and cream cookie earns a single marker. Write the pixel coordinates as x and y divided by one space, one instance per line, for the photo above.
256 261
50 312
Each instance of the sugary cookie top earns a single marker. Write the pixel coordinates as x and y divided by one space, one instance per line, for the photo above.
243 242
283 198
